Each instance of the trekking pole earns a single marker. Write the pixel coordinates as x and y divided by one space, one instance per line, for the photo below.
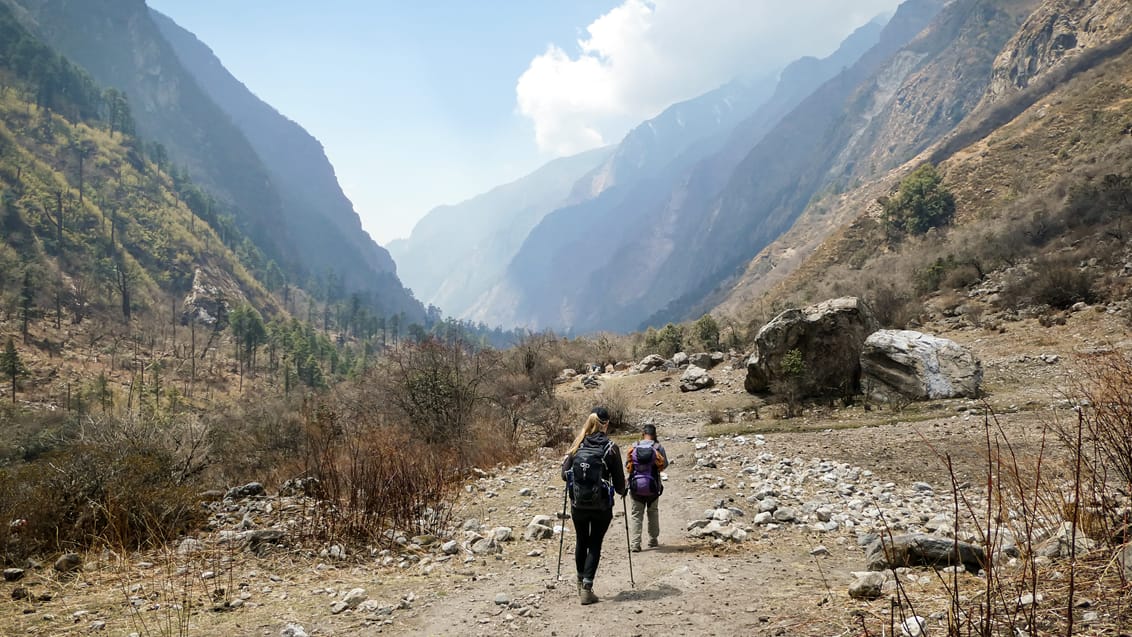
562 517
625 512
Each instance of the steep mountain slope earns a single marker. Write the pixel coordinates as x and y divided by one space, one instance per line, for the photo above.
90 228
320 219
875 116
119 44
456 252
549 285
1053 118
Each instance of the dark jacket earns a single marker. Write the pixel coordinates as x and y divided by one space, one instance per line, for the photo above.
613 470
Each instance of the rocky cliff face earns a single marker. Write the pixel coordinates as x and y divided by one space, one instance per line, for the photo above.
1054 31
1044 113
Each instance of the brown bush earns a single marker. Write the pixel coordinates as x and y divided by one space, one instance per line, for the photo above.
617 402
254 439
375 478
123 495
1056 283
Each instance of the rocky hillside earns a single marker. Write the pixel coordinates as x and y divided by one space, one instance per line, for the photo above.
1052 119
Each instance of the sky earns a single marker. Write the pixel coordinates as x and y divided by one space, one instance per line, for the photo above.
420 103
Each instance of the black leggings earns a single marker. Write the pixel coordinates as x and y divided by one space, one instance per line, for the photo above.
590 526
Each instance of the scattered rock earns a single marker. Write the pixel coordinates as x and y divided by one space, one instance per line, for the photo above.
919 549
695 379
538 532
68 563
502 599
869 585
355 597
914 626
308 486
13 574
650 363
249 490
189 546
261 539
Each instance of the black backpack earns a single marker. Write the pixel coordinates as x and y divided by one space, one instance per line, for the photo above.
588 488
644 480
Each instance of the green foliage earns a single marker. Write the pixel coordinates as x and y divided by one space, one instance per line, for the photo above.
920 203
706 331
435 388
670 340
793 363
53 82
11 365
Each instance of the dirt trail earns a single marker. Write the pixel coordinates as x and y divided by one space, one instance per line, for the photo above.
684 587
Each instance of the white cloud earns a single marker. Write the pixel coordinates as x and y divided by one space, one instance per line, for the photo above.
645 55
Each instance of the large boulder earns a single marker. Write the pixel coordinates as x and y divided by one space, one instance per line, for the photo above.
650 363
918 549
695 379
704 359
829 337
918 366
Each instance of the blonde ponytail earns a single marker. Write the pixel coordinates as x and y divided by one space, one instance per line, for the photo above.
593 423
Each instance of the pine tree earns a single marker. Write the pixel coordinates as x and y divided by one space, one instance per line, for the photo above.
11 365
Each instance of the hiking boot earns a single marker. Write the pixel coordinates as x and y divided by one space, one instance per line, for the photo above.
653 543
635 549
587 595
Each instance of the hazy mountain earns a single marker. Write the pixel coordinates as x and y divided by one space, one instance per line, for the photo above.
321 220
273 175
895 102
456 252
558 279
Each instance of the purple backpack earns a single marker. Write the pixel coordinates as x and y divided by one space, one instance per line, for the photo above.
644 481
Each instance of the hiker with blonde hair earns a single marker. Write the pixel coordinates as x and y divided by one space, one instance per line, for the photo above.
593 472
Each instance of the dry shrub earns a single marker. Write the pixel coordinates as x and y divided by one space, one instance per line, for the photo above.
1053 282
118 493
376 478
1105 388
616 400
1042 500
893 307
254 439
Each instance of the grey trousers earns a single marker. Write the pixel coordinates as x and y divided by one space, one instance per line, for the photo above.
637 511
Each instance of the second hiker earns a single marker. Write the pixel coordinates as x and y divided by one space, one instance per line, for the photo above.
592 470
644 462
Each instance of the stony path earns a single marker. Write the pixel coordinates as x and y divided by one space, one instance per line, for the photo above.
684 587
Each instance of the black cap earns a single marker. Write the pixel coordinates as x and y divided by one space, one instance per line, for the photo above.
601 414
649 430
